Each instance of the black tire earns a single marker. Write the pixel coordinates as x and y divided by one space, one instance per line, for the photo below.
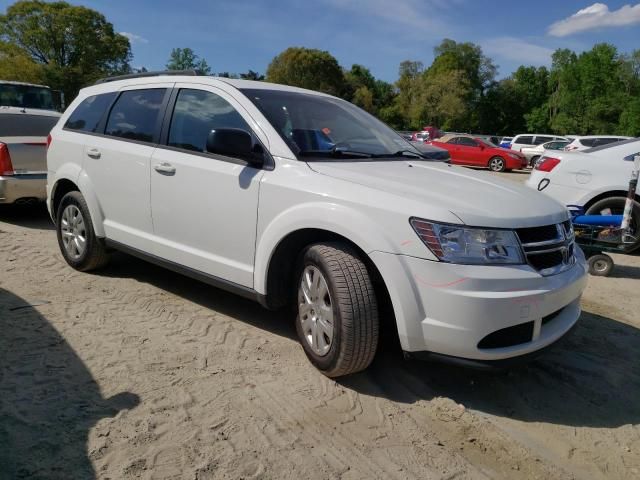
354 306
600 265
533 161
497 164
94 254
615 205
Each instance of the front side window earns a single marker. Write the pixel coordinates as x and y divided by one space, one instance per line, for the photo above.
467 142
86 117
327 127
196 113
135 115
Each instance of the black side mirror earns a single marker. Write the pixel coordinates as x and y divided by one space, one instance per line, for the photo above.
235 142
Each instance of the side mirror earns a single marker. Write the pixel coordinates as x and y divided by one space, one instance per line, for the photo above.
235 142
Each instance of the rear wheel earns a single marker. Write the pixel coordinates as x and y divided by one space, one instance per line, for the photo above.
337 322
534 159
78 242
496 164
615 206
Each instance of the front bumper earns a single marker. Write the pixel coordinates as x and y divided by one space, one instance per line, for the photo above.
449 309
23 186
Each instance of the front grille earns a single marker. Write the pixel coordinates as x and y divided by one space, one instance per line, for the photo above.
537 234
548 249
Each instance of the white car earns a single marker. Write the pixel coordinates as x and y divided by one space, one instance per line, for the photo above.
531 139
534 153
592 141
293 197
596 179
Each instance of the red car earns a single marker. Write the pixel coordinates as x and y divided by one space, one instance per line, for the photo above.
477 152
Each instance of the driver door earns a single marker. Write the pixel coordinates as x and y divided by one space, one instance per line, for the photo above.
204 206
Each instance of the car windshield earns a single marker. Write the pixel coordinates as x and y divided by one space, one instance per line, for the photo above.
25 96
324 127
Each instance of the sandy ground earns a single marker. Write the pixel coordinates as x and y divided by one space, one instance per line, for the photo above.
137 372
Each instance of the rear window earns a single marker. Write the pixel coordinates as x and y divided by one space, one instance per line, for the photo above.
613 145
524 140
588 142
135 115
25 125
86 117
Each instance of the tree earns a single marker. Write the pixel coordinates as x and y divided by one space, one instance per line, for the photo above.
441 100
251 75
73 45
16 65
186 59
307 68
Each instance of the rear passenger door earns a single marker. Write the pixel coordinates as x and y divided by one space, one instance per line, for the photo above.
204 205
117 162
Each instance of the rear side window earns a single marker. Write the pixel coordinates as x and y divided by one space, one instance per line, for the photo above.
588 142
135 115
540 140
197 112
524 140
86 117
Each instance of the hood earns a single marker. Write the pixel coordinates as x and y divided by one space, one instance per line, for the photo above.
476 198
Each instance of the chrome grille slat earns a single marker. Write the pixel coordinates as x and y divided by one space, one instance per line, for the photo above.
548 261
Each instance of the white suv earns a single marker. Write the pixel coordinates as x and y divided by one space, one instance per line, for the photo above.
289 196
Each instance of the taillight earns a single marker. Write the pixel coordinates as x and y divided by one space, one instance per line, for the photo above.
546 164
48 141
6 168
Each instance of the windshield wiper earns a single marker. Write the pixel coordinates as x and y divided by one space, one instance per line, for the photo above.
335 152
399 153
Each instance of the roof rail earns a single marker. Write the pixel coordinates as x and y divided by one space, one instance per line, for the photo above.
149 74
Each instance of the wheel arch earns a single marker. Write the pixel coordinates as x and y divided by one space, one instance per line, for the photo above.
72 179
608 194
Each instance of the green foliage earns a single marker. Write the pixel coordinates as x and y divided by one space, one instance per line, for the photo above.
186 59
307 68
72 45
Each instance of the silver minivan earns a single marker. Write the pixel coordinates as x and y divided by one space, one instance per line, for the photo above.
532 139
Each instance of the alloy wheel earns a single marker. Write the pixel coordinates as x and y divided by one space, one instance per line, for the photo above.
315 310
74 233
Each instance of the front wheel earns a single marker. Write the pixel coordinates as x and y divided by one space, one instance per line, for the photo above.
600 265
337 322
496 164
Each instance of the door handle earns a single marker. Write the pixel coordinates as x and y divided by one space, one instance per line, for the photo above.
94 153
165 168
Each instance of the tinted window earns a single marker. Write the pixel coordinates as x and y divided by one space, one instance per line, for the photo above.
21 125
613 145
88 114
524 140
197 113
588 142
26 96
454 140
605 141
135 114
540 140
467 142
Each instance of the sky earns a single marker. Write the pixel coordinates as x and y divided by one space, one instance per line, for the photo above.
238 35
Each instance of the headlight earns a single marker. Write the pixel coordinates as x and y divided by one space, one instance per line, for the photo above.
513 155
469 245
